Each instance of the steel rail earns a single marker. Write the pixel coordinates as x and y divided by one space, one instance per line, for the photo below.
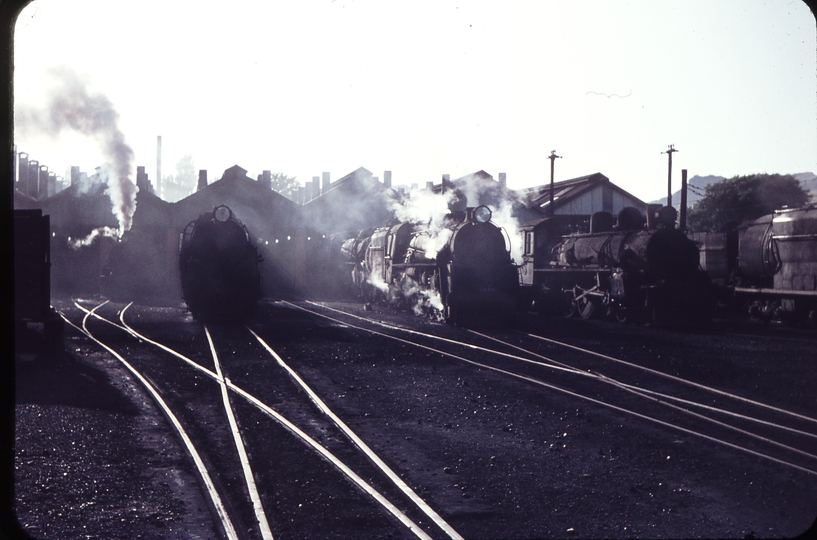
564 390
362 445
555 364
284 422
226 523
675 378
249 479
660 394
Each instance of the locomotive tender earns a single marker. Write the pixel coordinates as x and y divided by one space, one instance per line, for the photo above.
628 271
462 272
219 267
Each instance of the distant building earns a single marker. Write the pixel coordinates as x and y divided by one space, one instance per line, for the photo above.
274 222
580 196
356 201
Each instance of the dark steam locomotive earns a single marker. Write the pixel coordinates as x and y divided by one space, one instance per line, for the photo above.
219 267
768 265
628 271
462 272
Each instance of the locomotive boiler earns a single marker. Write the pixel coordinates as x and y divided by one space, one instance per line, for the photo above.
627 271
219 267
461 272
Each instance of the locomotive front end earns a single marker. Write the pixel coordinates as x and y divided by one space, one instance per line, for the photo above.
481 284
219 267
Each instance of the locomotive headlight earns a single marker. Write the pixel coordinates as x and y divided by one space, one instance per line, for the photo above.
222 213
482 214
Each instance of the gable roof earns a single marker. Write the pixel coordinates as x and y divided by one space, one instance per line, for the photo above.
565 191
361 174
242 194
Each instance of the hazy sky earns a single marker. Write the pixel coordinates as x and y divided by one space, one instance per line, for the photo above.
424 88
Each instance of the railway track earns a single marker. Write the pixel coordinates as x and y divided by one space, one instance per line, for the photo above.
504 433
732 421
254 491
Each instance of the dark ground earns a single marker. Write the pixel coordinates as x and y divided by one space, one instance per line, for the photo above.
497 458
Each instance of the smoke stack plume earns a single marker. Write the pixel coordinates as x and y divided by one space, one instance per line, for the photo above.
72 107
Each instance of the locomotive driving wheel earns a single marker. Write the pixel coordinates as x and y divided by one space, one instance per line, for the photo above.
583 304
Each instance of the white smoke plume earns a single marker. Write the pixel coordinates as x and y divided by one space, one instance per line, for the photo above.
427 210
72 107
503 217
88 240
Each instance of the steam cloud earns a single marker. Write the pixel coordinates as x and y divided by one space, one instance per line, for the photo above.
72 107
88 240
428 210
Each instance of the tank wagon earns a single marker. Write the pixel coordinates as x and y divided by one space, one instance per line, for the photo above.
219 267
632 269
462 272
771 265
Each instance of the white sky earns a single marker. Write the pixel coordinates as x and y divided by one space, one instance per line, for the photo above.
427 87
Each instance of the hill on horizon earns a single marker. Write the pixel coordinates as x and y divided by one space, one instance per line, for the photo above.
697 184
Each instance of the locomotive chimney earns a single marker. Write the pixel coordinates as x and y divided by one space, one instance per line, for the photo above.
202 179
682 224
387 179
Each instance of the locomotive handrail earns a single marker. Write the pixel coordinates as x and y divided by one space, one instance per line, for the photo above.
795 237
566 269
780 293
414 265
769 255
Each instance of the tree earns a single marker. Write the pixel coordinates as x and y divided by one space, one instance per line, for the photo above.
741 198
285 185
183 183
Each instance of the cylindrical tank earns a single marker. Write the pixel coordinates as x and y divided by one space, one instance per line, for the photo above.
794 243
756 258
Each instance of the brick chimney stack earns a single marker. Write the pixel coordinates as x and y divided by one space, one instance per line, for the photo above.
202 179
502 180
387 179
326 182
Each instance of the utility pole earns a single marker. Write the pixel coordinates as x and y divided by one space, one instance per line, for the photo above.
669 174
552 157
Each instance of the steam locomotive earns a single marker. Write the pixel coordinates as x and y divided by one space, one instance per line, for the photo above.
768 265
219 267
461 273
626 271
